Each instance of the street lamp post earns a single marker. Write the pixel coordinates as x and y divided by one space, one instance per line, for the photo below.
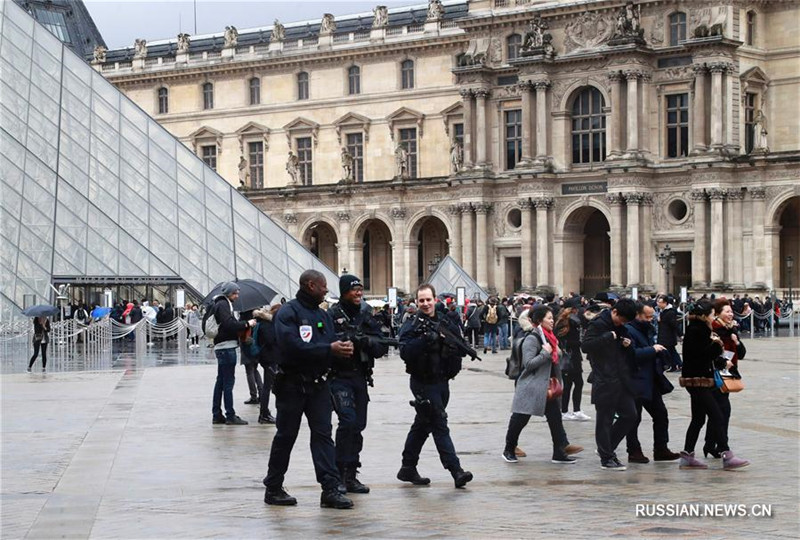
667 260
789 266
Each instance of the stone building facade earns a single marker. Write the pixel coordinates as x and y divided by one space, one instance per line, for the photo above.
542 145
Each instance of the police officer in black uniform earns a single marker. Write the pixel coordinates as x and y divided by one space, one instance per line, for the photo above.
350 376
307 345
431 364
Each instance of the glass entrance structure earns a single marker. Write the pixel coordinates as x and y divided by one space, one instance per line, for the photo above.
93 188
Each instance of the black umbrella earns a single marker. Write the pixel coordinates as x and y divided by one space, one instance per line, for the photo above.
42 310
252 295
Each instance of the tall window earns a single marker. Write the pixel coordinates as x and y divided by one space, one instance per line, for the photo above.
749 116
354 80
513 138
750 38
304 157
677 28
255 91
55 22
255 155
408 139
407 74
458 134
163 100
209 154
678 125
208 96
513 43
302 85
588 127
355 145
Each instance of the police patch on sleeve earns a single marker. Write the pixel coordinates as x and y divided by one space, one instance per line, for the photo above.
306 332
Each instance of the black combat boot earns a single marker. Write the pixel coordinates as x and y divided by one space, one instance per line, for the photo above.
279 497
410 474
333 498
352 482
460 476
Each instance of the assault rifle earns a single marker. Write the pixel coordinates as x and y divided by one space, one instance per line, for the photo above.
450 339
358 336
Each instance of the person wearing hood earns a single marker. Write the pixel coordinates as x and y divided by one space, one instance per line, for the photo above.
267 358
669 329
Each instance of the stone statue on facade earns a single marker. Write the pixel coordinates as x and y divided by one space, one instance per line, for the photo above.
140 48
244 172
476 55
293 168
100 54
456 157
381 17
760 143
435 10
347 165
709 23
328 25
537 41
183 43
278 31
628 27
231 36
401 162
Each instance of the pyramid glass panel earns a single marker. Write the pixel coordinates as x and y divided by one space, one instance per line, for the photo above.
448 276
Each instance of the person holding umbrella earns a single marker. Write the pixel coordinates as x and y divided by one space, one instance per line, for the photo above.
41 338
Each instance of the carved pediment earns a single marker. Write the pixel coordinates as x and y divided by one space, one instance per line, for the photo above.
456 109
206 134
253 130
301 125
755 75
404 115
350 121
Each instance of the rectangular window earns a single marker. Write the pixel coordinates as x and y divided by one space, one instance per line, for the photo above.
677 28
408 140
678 125
407 72
255 154
302 85
209 154
354 80
355 145
255 91
749 116
513 138
458 134
304 160
750 38
208 96
163 101
55 22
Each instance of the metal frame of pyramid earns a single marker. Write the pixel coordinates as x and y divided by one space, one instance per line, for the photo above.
92 187
449 275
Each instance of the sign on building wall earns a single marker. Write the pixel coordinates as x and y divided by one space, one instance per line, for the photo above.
584 188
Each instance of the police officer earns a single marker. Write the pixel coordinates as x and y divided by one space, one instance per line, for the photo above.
307 344
350 376
431 364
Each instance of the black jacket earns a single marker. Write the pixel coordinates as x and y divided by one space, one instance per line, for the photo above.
648 374
355 319
700 354
304 333
607 356
668 327
473 316
427 357
570 343
229 326
41 331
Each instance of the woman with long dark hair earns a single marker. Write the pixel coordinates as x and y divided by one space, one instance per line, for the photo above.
41 338
568 330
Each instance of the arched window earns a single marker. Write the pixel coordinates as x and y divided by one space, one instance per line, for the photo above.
513 43
677 28
255 91
163 100
302 85
208 96
588 127
354 80
750 37
407 74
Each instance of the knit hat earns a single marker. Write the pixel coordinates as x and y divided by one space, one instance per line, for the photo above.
229 287
347 282
574 302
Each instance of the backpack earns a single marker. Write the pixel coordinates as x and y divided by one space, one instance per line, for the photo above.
514 362
491 315
254 347
210 323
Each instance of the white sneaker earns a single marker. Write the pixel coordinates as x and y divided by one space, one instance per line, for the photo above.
581 416
568 416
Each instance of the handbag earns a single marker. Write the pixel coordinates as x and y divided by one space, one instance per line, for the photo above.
717 379
554 388
731 385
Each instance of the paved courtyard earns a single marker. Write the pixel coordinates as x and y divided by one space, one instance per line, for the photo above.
128 451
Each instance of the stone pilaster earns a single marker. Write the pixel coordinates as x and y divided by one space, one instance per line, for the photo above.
404 252
466 99
344 244
632 77
468 238
541 121
615 118
454 211
634 232
542 205
481 127
615 201
699 110
482 243
717 198
525 89
735 253
700 249
528 263
758 196
648 251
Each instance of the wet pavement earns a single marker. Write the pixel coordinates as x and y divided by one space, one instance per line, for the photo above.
123 447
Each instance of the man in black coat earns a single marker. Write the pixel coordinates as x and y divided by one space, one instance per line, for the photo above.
669 329
649 384
605 344
307 345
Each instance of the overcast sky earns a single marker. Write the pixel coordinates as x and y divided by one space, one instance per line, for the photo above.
122 21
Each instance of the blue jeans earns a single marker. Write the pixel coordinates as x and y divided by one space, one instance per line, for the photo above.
430 419
350 400
226 376
503 328
490 337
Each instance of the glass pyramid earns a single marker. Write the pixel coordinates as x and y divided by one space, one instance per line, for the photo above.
449 275
94 187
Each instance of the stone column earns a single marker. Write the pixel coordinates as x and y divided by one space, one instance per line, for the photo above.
541 120
735 253
481 244
466 98
480 126
717 197
615 118
528 264
614 200
455 224
404 252
716 69
632 77
699 111
648 254
634 230
344 241
758 195
542 204
468 237
525 90
700 249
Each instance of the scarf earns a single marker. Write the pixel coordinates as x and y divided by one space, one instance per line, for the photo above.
553 340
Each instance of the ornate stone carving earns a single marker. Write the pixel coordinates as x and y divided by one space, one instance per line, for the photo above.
183 42
398 212
716 194
538 42
482 207
231 37
735 194
244 172
342 216
588 31
707 21
481 93
757 193
465 208
290 219
614 199
721 67
525 203
328 24
661 221
380 17
633 198
100 54
347 165
699 195
400 162
278 31
435 10
293 168
140 48
614 76
760 142
541 84
628 26
454 210
557 91
542 202
657 30
456 157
